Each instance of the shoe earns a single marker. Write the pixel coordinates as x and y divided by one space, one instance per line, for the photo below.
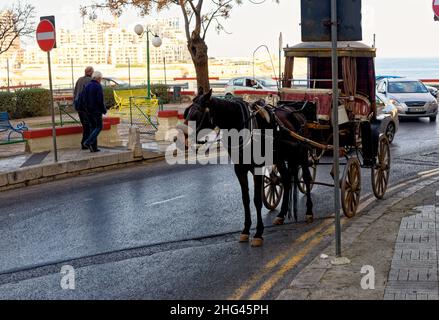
83 147
97 150
92 150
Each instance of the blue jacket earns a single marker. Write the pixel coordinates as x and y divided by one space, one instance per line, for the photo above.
94 98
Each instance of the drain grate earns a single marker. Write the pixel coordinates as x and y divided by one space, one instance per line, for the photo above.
35 159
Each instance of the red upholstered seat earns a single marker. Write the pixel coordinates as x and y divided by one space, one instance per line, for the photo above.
322 98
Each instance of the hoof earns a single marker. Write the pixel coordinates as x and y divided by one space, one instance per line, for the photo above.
309 219
257 242
244 238
279 221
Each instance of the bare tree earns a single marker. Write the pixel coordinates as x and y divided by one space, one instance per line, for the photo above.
15 22
199 16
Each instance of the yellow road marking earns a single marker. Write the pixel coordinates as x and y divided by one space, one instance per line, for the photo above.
291 263
239 293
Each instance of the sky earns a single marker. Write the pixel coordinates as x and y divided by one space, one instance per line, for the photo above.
403 28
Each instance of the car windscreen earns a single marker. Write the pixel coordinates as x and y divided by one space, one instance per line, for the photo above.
407 87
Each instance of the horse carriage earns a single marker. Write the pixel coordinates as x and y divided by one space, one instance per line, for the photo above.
361 144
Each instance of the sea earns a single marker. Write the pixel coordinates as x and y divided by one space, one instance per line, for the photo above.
418 68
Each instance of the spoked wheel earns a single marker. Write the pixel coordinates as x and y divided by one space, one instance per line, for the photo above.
390 132
273 189
381 170
313 169
351 188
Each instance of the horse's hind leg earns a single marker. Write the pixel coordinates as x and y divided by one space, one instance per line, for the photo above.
258 239
242 174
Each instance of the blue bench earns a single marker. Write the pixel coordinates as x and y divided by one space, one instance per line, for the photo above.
5 126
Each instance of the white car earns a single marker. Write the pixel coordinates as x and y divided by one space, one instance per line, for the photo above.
250 84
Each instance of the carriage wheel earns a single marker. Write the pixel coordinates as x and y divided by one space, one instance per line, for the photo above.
381 170
273 189
351 188
302 185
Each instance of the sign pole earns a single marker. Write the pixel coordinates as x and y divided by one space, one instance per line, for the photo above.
336 137
55 150
9 81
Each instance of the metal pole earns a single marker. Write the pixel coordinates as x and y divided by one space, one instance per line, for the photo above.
129 72
149 67
7 68
55 150
73 76
164 66
280 60
336 136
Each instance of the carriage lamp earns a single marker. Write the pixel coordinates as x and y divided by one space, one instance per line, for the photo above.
156 42
395 102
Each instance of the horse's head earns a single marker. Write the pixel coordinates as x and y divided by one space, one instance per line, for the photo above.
199 113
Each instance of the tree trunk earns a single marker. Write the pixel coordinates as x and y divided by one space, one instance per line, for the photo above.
198 49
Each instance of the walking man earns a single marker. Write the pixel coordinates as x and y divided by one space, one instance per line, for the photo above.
94 104
83 116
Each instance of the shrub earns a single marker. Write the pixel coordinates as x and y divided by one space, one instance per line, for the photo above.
109 97
7 102
32 103
161 91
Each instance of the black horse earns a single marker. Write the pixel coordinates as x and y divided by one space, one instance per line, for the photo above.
209 113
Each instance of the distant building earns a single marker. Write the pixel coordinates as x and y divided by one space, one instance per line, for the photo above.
99 42
15 52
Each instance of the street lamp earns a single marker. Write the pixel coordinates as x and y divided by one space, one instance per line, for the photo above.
156 42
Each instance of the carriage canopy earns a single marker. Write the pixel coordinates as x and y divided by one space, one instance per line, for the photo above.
356 75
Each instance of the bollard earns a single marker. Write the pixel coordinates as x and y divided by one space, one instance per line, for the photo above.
134 142
167 130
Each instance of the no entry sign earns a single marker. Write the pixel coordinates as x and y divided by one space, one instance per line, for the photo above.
436 7
46 35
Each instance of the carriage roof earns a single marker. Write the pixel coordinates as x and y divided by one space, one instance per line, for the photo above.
324 49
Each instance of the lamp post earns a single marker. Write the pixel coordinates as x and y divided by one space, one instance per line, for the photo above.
156 42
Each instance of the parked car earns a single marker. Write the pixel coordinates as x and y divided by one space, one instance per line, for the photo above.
433 90
250 84
388 116
411 98
109 82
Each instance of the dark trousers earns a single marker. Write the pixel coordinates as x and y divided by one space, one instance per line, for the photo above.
85 122
95 120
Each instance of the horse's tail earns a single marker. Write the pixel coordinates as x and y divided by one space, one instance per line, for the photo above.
293 197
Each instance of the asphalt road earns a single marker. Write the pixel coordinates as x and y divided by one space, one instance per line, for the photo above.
167 232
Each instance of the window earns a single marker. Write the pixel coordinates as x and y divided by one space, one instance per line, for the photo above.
407 87
239 82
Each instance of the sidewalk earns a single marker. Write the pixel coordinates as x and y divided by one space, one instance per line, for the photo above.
398 237
18 168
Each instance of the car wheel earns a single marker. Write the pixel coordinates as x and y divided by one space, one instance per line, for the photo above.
390 132
229 96
433 119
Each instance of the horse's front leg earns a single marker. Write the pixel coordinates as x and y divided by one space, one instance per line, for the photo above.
242 174
286 176
258 239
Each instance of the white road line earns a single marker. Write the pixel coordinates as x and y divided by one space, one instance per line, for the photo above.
46 36
165 201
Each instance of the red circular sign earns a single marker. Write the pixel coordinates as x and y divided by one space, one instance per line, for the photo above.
46 35
436 7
